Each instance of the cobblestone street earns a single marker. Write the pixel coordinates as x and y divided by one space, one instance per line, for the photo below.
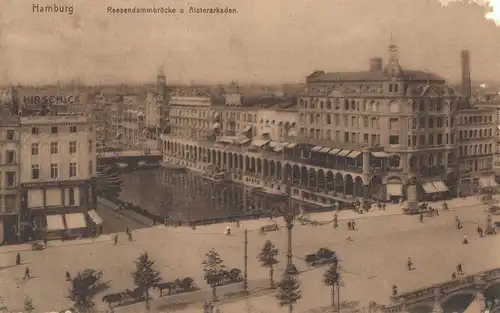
371 264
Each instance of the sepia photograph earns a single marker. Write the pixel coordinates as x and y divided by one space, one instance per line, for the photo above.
249 156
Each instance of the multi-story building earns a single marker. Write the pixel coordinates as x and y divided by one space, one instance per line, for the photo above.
191 114
9 178
386 133
56 173
117 120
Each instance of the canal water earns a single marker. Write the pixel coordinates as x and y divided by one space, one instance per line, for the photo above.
187 196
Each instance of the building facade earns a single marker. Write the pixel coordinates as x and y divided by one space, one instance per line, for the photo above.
9 178
387 134
57 173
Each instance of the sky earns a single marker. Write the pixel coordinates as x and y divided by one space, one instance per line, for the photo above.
278 41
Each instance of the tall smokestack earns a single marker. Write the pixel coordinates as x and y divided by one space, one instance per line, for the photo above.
466 81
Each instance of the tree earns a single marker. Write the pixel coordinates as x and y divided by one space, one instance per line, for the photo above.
267 258
145 276
214 270
332 278
3 307
82 294
289 292
29 307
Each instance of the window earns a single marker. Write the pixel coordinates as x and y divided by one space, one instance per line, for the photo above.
35 171
394 140
72 169
10 134
54 147
34 130
10 179
71 193
11 157
35 149
91 168
54 171
54 130
72 147
72 129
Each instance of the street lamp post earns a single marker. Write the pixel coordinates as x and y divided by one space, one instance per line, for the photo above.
289 214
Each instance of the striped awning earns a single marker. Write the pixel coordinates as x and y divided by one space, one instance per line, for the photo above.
55 222
354 154
244 141
440 186
325 150
95 217
316 148
259 142
344 153
291 145
75 220
247 129
380 154
429 187
334 151
215 125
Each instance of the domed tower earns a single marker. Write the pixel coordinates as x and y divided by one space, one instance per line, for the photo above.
393 69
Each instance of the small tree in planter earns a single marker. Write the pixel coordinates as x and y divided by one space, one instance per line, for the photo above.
289 292
29 307
214 270
332 278
267 258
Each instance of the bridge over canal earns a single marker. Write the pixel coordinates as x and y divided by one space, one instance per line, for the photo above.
477 290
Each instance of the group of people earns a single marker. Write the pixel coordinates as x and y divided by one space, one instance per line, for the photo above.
129 235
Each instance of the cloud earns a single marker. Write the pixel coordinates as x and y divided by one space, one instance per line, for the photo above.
267 41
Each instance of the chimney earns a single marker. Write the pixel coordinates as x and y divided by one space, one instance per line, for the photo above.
375 64
466 80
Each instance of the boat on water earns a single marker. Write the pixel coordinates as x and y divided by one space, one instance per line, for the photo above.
174 167
217 176
145 165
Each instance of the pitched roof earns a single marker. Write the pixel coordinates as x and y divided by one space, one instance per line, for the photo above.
320 76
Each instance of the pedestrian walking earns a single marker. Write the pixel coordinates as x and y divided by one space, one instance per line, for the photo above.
353 225
115 239
68 276
27 273
453 275
409 264
18 259
45 242
130 236
394 290
228 231
349 225
460 270
421 217
238 224
466 240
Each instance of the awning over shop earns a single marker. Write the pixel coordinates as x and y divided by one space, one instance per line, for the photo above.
291 145
380 154
259 142
487 181
440 186
325 150
344 152
354 154
316 148
273 144
334 151
95 217
75 220
215 125
395 189
55 222
244 141
292 133
429 187
247 129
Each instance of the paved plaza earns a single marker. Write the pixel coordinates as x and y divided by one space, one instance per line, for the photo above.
371 264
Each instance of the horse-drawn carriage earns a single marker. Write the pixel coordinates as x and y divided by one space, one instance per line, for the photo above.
271 227
231 277
128 296
322 256
88 277
494 209
177 286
